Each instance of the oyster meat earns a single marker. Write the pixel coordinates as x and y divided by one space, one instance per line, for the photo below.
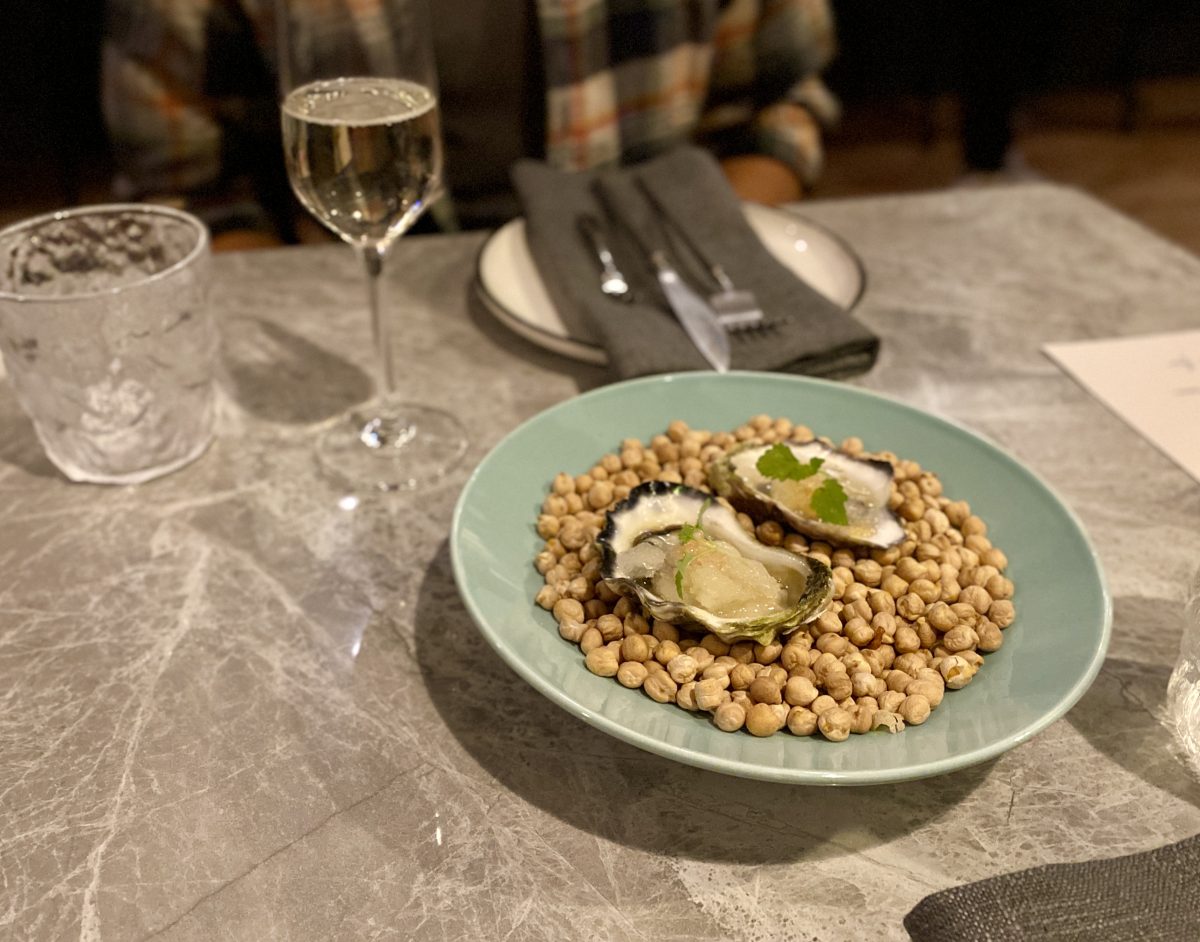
866 482
687 559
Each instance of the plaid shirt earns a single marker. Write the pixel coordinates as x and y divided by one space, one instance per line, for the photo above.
624 79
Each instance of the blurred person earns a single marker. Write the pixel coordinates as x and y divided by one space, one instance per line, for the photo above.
190 98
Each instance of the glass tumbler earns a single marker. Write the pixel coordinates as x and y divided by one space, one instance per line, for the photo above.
108 340
1183 690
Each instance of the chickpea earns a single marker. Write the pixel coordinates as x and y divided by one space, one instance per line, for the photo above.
914 710
792 656
1002 613
762 720
881 601
980 544
660 687
635 648
685 697
700 655
801 721
910 607
965 613
743 651
768 653
710 694
799 691
762 690
973 526
590 640
795 543
941 617
546 597
610 627
909 663
933 693
958 639
833 644
859 633
828 622
925 633
888 720
868 572
897 681
568 610
664 630
956 671
715 669
907 640
594 609
602 661
990 636
835 724
571 631
741 676
909 569
894 586
769 532
890 701
823 703
994 557
682 668
926 590
730 717
714 645
544 562
838 685
776 674
632 674
863 716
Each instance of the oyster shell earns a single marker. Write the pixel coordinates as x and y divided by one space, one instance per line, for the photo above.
866 481
687 559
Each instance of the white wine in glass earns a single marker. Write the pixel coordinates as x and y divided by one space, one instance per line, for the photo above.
362 143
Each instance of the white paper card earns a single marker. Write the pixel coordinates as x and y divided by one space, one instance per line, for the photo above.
1151 381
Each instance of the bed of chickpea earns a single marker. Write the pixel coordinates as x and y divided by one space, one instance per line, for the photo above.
906 624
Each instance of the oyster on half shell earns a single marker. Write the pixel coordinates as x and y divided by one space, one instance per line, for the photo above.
687 559
867 483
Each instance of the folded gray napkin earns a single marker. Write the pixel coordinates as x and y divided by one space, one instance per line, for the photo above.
805 332
1149 897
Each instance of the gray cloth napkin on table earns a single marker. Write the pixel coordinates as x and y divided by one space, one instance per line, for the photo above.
1149 897
805 333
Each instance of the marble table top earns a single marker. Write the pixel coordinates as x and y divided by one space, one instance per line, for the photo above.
235 704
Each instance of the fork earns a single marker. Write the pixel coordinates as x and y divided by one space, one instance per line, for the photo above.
736 308
612 282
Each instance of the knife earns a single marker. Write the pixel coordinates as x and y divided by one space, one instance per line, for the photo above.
695 315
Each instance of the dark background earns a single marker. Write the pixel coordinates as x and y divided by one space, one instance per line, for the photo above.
912 76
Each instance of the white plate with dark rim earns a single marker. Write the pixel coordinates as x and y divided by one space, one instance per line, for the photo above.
509 285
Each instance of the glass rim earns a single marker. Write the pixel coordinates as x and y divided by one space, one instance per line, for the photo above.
106 209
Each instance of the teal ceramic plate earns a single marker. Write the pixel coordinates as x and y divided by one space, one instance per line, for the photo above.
1050 656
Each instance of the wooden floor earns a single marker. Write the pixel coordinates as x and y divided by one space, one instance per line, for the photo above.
1151 172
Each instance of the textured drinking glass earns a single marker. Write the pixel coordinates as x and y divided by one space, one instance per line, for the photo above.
1183 690
107 338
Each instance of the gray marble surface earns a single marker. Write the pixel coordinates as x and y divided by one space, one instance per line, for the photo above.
232 706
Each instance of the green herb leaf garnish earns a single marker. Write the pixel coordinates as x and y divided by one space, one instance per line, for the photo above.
829 502
778 462
687 533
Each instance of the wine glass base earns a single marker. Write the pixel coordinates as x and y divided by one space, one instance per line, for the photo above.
389 445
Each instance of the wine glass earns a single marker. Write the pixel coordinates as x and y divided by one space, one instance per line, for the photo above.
362 142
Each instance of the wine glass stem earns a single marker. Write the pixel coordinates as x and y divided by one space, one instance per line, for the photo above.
372 257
